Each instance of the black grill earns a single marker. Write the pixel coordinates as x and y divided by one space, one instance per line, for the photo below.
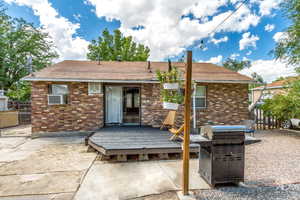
222 159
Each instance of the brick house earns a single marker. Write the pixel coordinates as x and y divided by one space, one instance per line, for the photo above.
87 95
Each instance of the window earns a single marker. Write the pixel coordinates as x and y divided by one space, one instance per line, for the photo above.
199 97
58 94
95 88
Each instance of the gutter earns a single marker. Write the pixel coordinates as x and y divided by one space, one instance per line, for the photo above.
126 81
267 88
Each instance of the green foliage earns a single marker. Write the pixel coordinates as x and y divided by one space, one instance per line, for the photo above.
18 41
117 47
172 96
20 91
284 106
173 76
288 49
236 65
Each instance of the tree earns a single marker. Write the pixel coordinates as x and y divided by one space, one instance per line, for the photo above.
20 40
284 106
288 47
236 65
117 47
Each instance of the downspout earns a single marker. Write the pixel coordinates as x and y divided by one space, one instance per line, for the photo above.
194 108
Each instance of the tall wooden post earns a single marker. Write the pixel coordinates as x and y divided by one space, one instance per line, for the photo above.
187 124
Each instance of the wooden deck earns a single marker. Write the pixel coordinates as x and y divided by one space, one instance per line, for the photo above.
135 140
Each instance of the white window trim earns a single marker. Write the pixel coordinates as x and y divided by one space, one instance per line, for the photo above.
90 90
202 96
60 95
57 85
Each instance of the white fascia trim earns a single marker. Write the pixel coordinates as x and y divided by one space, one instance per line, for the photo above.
125 81
87 80
267 88
224 81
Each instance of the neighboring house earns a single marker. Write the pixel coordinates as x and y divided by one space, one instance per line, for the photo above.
85 95
271 89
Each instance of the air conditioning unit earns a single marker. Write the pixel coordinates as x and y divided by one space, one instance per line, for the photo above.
56 99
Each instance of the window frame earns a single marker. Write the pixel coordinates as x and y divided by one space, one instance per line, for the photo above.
93 84
63 96
200 96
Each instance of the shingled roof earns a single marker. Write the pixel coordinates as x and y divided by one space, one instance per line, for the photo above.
115 71
279 84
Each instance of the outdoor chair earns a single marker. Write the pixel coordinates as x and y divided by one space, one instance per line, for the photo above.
170 120
250 126
178 133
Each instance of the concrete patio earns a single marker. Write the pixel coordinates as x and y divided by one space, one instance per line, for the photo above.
60 168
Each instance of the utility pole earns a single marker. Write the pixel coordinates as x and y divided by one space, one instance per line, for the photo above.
187 124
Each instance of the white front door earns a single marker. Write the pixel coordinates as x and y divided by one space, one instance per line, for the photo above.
113 104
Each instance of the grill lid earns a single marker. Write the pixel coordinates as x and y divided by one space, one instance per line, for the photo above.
229 128
223 132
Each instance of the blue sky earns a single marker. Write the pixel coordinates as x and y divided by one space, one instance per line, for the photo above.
170 27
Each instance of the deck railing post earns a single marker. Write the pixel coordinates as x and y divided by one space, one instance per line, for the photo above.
187 124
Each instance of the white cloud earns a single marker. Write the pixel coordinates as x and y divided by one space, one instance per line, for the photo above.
60 29
216 60
205 49
269 27
217 41
234 55
77 16
279 36
249 53
165 31
248 40
269 69
266 6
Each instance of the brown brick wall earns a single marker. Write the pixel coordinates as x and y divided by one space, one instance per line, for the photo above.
83 111
226 104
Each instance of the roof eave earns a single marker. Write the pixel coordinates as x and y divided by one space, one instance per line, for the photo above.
267 88
127 81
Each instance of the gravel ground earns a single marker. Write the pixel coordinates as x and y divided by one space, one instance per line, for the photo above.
275 160
286 192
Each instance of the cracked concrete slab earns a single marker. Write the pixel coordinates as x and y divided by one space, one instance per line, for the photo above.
114 181
32 145
23 130
35 184
61 196
40 167
11 142
174 170
51 158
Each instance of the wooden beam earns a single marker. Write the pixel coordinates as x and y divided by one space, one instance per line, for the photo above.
187 124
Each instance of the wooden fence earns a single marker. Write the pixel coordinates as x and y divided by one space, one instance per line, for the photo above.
24 109
263 122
